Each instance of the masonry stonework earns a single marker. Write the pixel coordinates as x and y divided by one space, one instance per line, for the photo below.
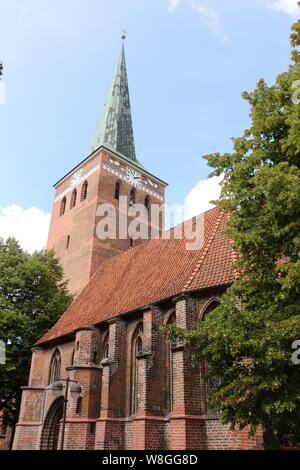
138 391
73 235
105 419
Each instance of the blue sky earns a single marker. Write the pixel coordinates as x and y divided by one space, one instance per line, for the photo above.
188 62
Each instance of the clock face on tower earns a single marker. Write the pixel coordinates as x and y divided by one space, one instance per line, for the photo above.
133 177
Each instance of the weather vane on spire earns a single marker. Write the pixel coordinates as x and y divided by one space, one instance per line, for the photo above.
124 34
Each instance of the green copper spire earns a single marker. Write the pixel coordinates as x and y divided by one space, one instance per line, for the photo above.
114 129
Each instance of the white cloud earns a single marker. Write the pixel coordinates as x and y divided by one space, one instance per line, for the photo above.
290 7
173 4
198 199
211 20
29 226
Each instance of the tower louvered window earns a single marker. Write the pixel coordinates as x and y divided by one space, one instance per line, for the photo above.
117 190
132 197
84 191
73 199
147 202
63 206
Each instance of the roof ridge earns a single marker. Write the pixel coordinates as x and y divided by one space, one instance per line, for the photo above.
135 248
174 227
131 250
205 251
107 295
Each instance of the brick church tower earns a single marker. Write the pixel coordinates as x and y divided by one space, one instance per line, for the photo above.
110 173
137 390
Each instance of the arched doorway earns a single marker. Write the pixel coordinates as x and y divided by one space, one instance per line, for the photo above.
52 421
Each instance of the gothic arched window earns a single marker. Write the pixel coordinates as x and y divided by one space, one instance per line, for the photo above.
73 199
63 204
55 367
78 405
117 190
132 197
210 383
105 350
214 303
137 349
84 190
73 357
213 383
170 366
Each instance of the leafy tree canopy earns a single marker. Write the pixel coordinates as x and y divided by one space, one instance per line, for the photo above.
32 297
248 339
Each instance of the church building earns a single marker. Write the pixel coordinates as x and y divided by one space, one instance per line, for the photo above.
105 376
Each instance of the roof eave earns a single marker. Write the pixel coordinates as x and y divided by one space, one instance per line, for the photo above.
114 152
131 312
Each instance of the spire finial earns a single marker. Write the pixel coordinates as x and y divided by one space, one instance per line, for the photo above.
124 35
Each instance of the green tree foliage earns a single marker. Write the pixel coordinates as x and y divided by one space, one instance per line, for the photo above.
32 297
248 339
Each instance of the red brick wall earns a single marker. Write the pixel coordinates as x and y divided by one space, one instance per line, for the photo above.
78 223
86 252
104 421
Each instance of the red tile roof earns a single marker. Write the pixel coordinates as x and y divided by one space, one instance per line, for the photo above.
150 272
